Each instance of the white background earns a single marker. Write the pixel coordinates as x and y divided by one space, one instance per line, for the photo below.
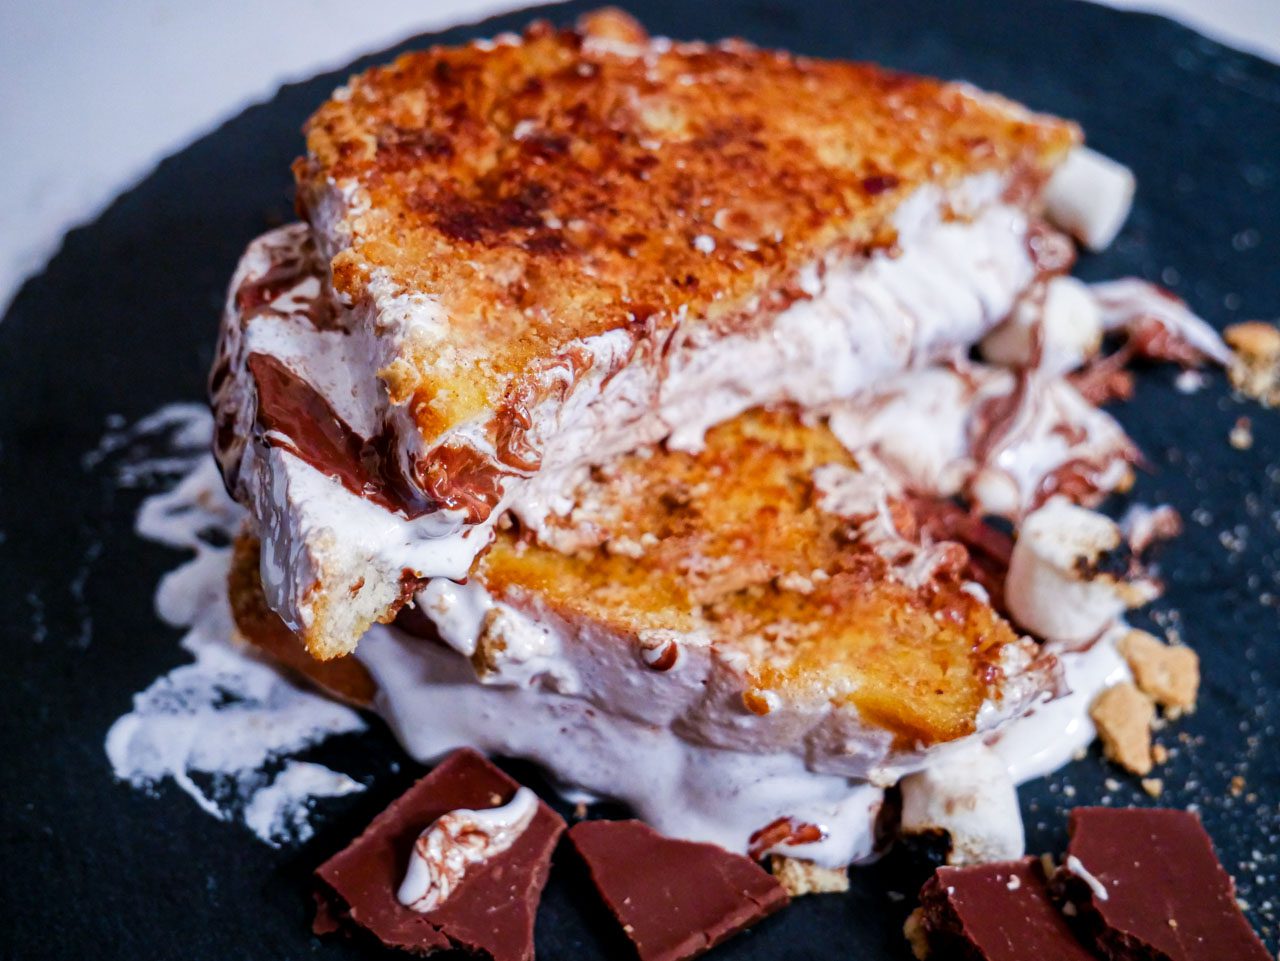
96 92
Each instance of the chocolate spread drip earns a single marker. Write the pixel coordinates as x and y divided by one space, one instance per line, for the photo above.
553 379
254 297
1052 252
995 423
989 549
295 416
459 477
994 420
784 830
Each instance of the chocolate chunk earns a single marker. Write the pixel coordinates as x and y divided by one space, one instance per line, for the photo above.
490 912
1166 894
998 912
674 899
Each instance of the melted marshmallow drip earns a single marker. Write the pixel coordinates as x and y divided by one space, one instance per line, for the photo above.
434 704
220 726
457 841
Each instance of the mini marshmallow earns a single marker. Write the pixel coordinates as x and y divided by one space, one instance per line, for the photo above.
969 795
1056 328
1089 196
1055 588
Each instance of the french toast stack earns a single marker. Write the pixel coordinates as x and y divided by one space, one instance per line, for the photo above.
622 402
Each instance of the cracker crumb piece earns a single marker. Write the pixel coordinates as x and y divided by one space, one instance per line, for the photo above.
801 877
913 930
1123 715
1169 674
1237 786
1256 371
1241 436
1153 786
1159 753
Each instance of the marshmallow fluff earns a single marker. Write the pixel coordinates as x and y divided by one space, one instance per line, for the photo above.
457 841
225 725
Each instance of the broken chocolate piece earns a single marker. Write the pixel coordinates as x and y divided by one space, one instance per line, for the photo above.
1144 883
997 912
490 912
674 899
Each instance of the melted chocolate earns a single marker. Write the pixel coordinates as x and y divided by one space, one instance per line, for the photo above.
295 416
989 549
784 830
254 297
459 477
995 418
553 379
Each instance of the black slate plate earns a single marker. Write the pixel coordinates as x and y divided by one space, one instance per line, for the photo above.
123 321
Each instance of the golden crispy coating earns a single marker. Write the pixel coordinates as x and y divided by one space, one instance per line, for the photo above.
731 541
555 186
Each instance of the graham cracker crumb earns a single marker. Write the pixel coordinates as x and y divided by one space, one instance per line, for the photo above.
1169 674
1159 753
913 931
804 877
1241 436
1237 786
1153 786
1123 716
1256 371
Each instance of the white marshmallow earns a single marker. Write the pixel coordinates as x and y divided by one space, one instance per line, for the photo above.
969 794
1065 321
1089 196
1053 588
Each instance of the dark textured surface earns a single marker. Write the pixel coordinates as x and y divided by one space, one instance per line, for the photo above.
123 321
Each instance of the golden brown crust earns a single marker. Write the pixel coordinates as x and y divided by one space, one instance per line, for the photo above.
551 187
343 678
730 541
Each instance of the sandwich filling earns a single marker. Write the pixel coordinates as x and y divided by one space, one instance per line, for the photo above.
535 253
309 440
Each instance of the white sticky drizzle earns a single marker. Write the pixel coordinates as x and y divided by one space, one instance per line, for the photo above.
280 812
1074 866
218 726
456 842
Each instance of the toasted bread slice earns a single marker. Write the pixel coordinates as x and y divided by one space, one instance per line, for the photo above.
552 188
345 679
766 593
542 251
